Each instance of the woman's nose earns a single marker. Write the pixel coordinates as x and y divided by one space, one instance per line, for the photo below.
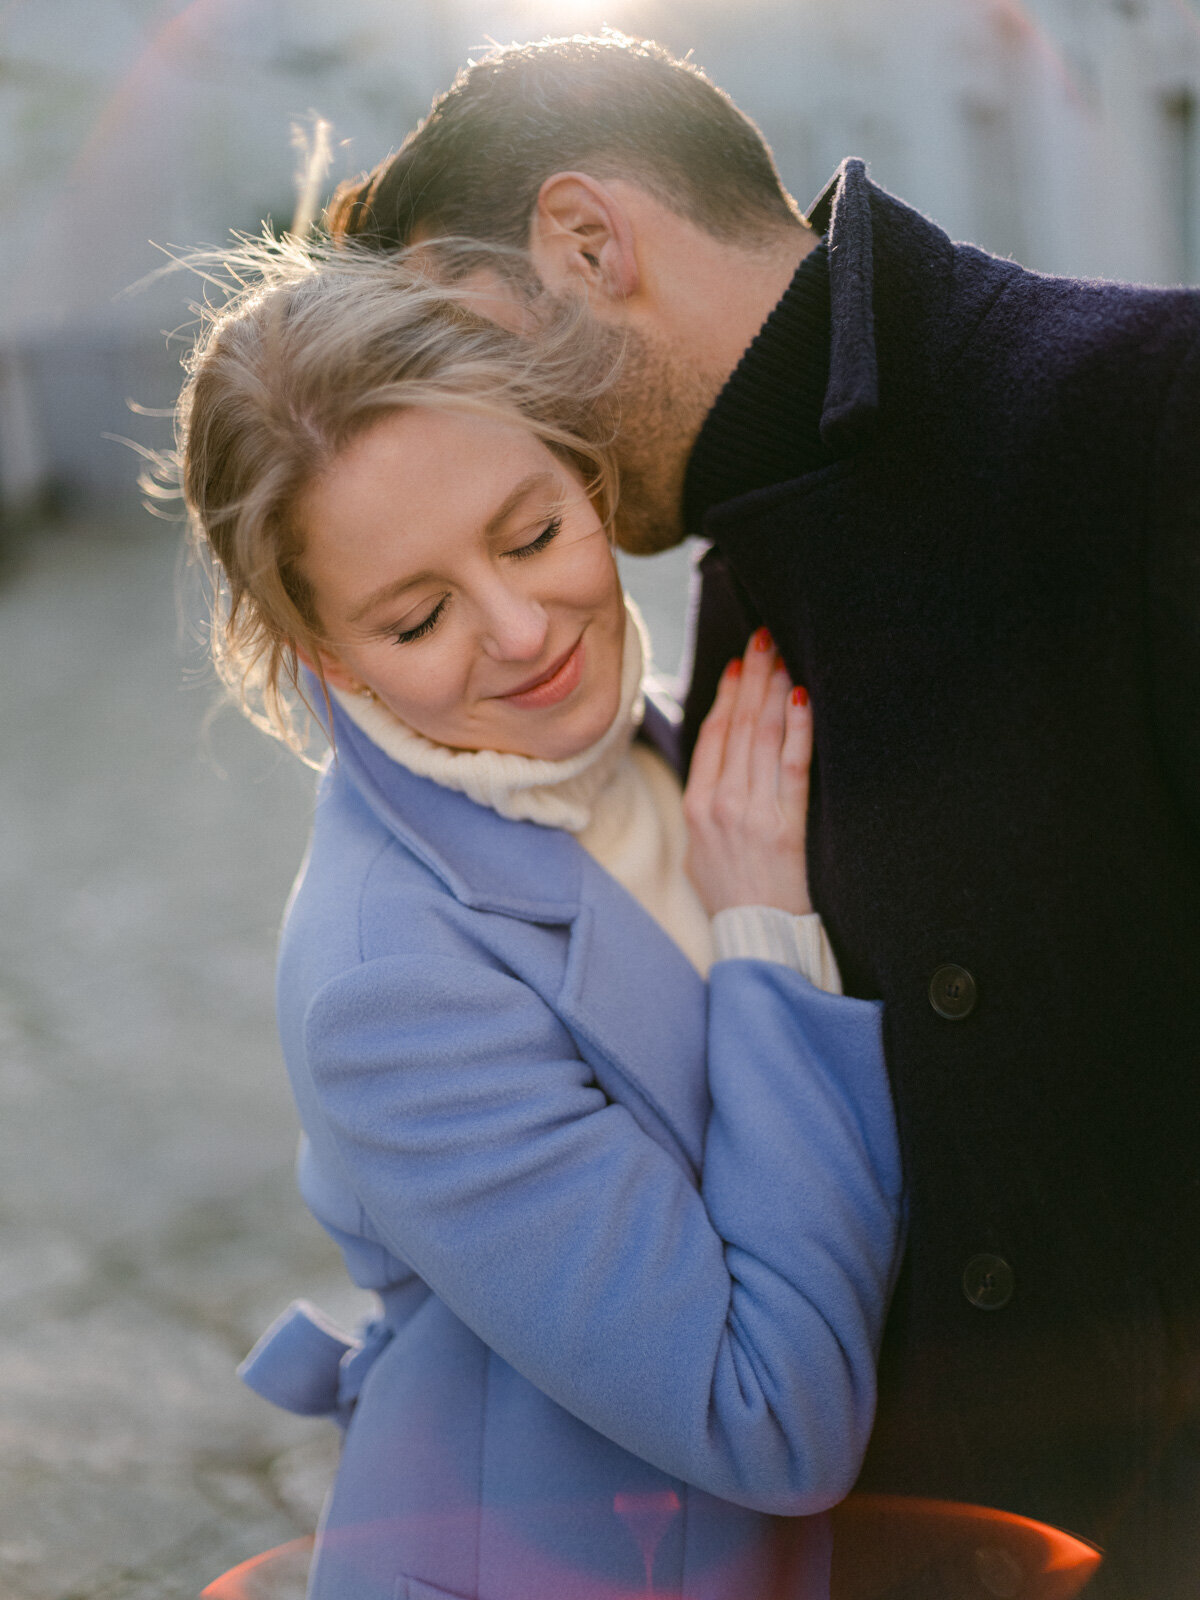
514 624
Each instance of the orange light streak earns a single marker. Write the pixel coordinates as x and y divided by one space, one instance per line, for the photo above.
878 1541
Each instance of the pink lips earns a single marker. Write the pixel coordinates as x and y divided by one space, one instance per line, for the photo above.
552 686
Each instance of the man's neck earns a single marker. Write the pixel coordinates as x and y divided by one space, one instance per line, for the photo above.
763 426
731 291
701 304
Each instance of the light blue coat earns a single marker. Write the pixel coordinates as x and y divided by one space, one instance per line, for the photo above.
628 1333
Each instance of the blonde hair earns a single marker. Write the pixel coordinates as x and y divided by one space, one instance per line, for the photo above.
308 347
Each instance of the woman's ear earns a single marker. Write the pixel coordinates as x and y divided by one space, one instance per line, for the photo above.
335 674
583 235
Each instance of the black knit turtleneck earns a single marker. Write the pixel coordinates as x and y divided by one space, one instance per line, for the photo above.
763 427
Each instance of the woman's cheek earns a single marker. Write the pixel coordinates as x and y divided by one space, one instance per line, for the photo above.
437 690
603 584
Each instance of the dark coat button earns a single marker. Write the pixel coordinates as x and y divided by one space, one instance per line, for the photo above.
988 1282
952 993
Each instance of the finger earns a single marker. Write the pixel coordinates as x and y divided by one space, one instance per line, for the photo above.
795 758
767 742
708 757
757 666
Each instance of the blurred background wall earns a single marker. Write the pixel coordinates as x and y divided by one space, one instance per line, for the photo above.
149 1227
1061 132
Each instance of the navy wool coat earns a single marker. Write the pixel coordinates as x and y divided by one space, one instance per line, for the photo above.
629 1328
993 595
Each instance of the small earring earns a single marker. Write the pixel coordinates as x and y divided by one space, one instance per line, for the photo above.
367 694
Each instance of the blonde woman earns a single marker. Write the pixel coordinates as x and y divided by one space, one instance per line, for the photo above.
581 1100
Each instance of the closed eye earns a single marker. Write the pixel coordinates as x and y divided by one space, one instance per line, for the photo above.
408 635
547 536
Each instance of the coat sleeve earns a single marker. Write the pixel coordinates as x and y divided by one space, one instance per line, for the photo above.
727 1336
1173 583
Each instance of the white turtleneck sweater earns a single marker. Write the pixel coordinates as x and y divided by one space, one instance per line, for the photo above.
624 804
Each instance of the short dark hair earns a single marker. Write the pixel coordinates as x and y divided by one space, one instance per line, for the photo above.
610 105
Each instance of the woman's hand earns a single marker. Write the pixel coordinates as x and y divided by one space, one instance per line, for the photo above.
746 801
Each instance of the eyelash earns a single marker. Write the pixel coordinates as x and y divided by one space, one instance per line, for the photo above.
547 536
408 635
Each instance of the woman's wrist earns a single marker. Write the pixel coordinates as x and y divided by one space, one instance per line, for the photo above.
765 933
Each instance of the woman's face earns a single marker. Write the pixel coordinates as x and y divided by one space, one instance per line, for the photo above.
461 573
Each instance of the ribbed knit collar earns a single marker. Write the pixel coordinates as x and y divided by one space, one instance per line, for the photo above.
557 794
764 426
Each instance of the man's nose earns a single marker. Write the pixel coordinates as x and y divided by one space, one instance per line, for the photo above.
515 625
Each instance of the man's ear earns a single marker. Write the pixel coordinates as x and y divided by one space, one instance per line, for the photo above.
581 234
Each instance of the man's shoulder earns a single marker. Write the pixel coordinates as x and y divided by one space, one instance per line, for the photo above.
1030 308
965 287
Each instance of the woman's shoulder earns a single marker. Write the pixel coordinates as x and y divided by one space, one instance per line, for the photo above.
352 865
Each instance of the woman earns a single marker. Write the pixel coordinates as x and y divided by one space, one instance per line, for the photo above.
632 1234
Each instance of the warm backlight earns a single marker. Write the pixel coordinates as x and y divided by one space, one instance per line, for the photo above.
882 1545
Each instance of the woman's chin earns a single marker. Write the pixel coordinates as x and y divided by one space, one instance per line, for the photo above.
578 728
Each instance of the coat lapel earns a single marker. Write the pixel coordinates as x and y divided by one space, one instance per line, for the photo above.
638 1009
629 996
486 861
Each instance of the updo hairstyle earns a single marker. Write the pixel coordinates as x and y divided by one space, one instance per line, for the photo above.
308 347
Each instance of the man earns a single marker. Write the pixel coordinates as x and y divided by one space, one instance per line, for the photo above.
965 500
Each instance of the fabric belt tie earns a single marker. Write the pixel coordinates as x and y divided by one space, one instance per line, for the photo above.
304 1364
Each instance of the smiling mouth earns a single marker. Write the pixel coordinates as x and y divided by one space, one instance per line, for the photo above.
549 687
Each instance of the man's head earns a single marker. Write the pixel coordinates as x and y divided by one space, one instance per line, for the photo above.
628 176
610 106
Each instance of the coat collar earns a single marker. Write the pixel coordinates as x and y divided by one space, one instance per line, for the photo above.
889 275
843 212
486 861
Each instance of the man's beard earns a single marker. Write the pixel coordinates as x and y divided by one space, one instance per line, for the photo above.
657 403
663 402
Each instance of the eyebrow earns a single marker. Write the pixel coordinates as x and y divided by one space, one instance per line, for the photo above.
512 500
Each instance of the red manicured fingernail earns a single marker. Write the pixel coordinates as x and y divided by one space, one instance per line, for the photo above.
734 669
762 639
799 695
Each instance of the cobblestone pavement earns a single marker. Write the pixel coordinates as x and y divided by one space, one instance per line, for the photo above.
149 1227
